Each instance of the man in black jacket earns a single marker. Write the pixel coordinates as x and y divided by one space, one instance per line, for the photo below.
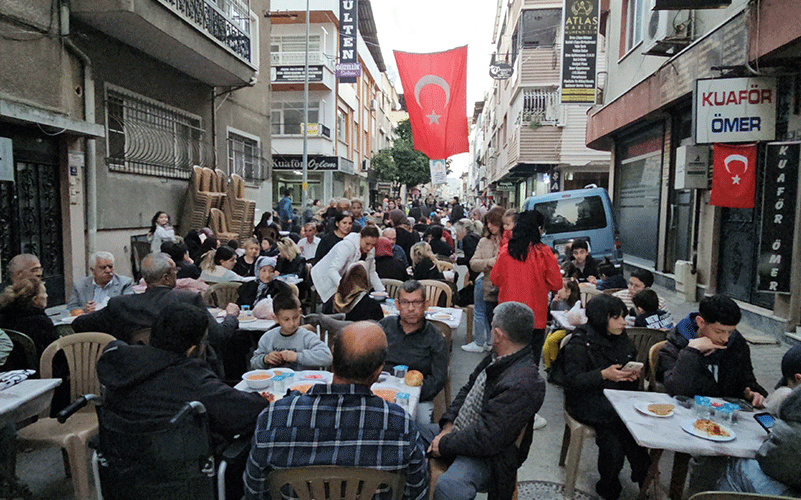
457 212
486 432
705 355
126 314
153 382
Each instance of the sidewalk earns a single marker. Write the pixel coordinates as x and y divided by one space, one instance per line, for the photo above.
42 468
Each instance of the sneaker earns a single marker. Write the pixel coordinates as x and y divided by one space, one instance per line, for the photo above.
539 422
487 347
473 347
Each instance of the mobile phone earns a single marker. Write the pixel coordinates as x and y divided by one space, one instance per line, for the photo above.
632 366
765 419
744 405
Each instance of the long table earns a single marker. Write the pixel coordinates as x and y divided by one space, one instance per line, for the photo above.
27 399
661 434
385 381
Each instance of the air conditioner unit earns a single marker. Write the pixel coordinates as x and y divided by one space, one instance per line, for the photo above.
665 33
373 104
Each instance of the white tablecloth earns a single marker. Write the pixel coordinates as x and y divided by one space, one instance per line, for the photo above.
27 399
386 381
666 433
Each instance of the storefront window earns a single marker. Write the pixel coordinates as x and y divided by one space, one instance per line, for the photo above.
287 117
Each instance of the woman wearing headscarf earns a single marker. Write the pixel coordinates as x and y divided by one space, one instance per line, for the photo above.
251 292
386 265
352 297
328 272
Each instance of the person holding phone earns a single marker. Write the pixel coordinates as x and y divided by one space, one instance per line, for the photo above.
597 357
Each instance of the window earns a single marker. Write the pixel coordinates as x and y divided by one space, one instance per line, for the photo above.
541 105
342 126
244 156
536 28
287 117
573 214
634 15
292 49
147 137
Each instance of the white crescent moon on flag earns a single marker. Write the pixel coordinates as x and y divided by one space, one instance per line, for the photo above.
732 158
432 80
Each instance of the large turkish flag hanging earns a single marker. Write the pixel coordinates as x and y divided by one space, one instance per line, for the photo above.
734 176
435 89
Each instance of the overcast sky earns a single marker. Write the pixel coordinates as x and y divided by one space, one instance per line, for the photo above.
435 26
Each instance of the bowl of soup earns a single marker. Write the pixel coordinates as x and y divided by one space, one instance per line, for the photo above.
258 379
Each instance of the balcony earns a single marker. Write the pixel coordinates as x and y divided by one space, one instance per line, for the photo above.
209 40
286 72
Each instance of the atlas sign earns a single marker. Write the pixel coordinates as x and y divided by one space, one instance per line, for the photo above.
735 110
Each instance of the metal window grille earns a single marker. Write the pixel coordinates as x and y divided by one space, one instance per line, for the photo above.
150 138
226 20
245 158
540 105
292 50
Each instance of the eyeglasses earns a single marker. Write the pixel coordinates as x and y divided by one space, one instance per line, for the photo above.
414 303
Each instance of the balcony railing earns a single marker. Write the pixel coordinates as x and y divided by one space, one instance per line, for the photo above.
298 58
225 20
540 107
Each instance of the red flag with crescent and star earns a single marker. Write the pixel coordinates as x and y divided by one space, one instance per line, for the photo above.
435 86
734 175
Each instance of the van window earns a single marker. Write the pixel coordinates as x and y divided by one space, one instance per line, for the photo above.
573 214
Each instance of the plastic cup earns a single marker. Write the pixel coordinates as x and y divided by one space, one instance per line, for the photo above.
400 373
703 408
402 399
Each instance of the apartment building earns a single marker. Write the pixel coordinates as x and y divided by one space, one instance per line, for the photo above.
532 144
348 122
105 106
657 52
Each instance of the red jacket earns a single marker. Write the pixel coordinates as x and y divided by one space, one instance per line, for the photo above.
528 282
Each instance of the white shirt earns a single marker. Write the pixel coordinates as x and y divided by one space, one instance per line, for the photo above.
308 249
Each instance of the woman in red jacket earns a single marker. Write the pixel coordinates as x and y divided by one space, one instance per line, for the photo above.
526 271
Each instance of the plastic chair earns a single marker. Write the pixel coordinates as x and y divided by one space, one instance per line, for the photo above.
218 224
612 291
392 287
443 399
727 495
82 351
434 289
139 249
587 293
24 350
328 326
329 482
221 294
239 212
653 356
572 443
644 339
267 232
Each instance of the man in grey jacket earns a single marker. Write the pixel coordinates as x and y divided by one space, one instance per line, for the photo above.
92 293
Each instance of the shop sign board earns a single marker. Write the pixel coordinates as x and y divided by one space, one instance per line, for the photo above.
295 162
294 74
580 53
501 70
778 219
734 110
439 172
348 34
505 186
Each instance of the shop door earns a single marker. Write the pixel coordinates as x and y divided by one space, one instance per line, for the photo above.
680 229
30 207
739 249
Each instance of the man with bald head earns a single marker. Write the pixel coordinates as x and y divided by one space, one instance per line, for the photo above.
397 252
342 423
24 266
126 314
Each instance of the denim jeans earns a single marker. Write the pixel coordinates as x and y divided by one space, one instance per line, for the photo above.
744 475
465 477
480 329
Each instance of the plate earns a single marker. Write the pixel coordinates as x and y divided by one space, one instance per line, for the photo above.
642 407
442 316
247 319
281 371
385 391
379 296
689 427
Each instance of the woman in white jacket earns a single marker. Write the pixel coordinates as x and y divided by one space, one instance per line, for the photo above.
327 273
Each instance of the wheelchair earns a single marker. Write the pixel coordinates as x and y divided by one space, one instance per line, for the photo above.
161 459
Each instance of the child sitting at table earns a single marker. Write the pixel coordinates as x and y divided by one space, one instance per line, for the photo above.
288 345
646 305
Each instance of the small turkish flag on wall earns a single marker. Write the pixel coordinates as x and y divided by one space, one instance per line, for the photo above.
436 99
734 176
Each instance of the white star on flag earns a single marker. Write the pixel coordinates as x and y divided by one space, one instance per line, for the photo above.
736 179
433 117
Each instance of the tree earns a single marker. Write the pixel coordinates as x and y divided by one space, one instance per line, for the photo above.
402 164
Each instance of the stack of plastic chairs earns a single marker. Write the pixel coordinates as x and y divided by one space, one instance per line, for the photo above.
203 195
239 212
218 224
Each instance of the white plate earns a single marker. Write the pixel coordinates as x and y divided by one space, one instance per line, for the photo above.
442 316
247 319
642 407
385 387
688 427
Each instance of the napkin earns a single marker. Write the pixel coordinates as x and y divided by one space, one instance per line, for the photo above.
14 377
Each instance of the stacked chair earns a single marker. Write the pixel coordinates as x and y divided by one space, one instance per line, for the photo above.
239 212
215 202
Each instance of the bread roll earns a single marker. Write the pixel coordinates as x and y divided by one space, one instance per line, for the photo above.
414 378
76 312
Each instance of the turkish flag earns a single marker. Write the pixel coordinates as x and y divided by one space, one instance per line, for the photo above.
435 88
734 176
